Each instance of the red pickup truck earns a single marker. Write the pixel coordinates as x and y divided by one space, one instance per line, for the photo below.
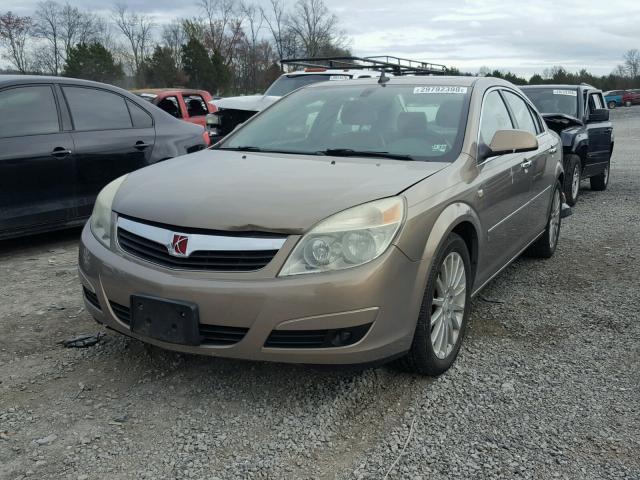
188 105
631 97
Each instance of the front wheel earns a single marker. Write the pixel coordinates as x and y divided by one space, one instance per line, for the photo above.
599 182
444 311
545 246
572 180
612 105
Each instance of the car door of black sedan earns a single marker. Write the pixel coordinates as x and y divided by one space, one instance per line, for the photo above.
37 165
112 136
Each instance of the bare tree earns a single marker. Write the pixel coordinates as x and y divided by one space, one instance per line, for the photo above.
632 62
254 19
14 33
78 27
173 37
48 26
137 29
315 27
224 21
619 71
276 22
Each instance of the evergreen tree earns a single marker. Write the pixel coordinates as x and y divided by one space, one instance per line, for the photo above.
92 62
203 71
160 70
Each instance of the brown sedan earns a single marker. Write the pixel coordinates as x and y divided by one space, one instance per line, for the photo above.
348 223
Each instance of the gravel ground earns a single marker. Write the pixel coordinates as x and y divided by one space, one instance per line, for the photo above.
547 384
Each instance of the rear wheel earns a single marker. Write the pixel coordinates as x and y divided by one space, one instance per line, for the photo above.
612 105
546 245
572 179
599 182
444 311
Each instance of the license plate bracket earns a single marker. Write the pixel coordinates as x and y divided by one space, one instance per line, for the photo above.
170 321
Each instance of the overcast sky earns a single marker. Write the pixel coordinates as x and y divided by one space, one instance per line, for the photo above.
524 37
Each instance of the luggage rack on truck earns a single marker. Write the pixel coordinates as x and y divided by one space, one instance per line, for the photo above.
386 63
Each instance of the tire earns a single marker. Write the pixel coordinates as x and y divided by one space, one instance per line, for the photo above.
545 246
627 104
572 179
425 357
612 105
599 182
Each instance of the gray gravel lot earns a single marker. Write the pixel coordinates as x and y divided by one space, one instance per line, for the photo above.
547 384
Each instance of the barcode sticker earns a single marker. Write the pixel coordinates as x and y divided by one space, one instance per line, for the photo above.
440 89
571 93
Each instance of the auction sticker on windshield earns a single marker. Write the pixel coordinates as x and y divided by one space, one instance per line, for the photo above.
339 77
441 89
571 93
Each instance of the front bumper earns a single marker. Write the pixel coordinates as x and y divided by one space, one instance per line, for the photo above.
385 293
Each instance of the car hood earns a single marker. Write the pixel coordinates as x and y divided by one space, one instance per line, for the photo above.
228 190
252 103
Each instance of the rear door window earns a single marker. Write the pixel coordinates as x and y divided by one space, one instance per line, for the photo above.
171 106
139 116
95 109
495 116
196 106
521 112
28 110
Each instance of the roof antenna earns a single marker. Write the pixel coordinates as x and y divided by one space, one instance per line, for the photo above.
383 78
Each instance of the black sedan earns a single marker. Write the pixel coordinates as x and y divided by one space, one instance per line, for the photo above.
62 140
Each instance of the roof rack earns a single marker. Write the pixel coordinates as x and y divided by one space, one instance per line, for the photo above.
386 63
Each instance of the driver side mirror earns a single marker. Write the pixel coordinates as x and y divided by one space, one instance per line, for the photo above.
599 115
509 141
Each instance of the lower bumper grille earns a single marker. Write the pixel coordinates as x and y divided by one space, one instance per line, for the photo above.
91 297
339 337
123 313
211 334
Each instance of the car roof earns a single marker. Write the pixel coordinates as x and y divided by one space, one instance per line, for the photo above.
332 71
456 81
583 86
4 79
158 91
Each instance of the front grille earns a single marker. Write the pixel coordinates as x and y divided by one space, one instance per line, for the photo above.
214 260
211 334
91 297
339 337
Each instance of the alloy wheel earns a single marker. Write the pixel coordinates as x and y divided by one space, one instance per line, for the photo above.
554 220
448 306
575 182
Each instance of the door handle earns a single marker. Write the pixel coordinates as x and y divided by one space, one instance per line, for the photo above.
60 152
526 164
140 145
553 150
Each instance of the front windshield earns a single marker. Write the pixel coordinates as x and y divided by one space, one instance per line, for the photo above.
288 83
554 100
418 122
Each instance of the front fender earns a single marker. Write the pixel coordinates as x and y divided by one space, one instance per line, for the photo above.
427 230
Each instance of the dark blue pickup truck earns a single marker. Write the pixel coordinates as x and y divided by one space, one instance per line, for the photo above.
578 114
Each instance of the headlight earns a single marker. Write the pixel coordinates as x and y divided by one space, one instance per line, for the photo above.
348 239
100 220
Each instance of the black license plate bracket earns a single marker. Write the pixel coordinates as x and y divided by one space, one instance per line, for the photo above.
170 321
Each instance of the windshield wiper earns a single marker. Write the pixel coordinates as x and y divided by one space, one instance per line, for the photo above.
243 148
349 152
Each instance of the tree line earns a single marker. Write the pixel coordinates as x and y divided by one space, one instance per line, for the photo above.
231 46
623 77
